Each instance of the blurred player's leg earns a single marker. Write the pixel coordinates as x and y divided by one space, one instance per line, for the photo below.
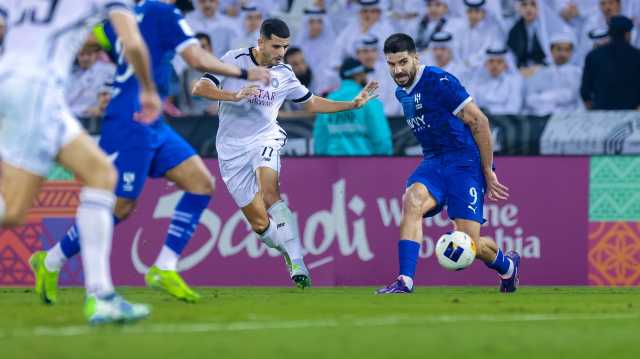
415 203
18 188
286 228
194 178
507 265
95 226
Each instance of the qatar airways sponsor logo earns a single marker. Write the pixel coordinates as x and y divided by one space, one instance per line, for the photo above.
263 98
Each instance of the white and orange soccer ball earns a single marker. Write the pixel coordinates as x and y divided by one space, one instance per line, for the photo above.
455 250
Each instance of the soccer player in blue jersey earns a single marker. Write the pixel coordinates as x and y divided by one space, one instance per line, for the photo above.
149 150
457 169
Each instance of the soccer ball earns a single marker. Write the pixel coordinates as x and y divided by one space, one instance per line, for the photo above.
455 250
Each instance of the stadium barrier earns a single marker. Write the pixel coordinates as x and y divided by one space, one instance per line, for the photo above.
576 221
579 133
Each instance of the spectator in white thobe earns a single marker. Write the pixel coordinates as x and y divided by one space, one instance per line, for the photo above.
435 20
555 88
251 18
317 40
498 86
474 34
368 52
442 55
87 92
370 21
207 19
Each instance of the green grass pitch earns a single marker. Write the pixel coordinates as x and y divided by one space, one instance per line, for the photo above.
434 322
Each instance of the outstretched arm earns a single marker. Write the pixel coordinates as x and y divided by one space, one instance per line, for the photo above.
203 61
322 105
473 117
208 89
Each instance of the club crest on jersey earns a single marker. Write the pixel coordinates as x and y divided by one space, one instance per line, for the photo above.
128 178
416 100
275 83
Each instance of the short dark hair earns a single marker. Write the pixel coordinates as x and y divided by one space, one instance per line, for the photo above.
202 35
276 27
290 52
399 42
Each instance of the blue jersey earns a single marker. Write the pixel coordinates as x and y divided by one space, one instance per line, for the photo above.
430 105
141 151
165 32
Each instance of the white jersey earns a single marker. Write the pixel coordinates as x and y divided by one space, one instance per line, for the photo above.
43 36
251 122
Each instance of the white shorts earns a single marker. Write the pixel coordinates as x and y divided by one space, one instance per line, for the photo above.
35 122
239 173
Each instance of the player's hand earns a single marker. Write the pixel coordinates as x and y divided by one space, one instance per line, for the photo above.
367 94
247 91
260 74
496 191
150 107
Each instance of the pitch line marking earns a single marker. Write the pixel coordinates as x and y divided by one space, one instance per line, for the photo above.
320 262
168 328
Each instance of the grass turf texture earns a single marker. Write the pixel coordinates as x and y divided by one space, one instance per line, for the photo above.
566 322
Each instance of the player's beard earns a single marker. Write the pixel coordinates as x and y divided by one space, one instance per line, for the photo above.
411 76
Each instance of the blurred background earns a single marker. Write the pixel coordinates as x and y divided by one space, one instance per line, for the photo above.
525 62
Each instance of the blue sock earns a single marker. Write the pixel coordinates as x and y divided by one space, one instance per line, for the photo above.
501 263
408 254
185 220
70 243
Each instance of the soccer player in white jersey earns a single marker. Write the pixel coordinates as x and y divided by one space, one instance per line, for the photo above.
249 138
37 128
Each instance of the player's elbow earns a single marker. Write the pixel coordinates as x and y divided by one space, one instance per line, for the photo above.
194 62
197 89
194 58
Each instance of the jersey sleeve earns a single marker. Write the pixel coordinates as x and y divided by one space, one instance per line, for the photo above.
177 34
453 96
296 91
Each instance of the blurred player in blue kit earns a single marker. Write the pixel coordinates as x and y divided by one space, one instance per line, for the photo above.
457 168
141 150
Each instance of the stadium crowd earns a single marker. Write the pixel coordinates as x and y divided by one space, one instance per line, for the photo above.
525 57
515 56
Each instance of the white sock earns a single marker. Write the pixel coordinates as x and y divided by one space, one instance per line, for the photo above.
286 230
55 259
95 224
168 259
268 237
509 272
408 281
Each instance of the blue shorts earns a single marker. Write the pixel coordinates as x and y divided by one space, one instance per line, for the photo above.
455 182
139 151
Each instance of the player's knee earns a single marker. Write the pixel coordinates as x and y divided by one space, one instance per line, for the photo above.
103 175
206 185
124 208
413 203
